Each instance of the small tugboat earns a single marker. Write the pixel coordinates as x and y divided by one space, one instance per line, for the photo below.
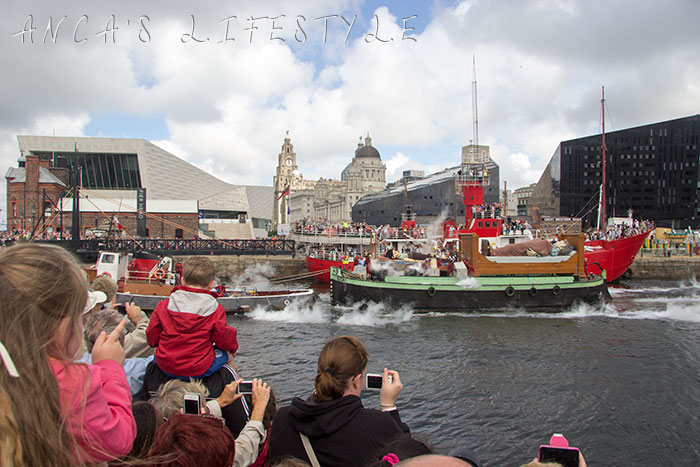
146 279
548 283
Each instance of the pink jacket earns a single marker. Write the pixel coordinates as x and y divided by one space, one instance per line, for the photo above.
97 402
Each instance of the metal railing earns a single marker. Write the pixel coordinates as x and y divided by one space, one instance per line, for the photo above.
177 246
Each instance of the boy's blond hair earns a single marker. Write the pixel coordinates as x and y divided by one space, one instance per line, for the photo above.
198 271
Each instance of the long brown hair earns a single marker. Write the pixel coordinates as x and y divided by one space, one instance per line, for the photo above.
40 285
341 359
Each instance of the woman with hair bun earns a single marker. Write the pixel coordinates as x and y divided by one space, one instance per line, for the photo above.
340 431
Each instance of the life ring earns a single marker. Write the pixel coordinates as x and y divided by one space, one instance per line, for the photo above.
159 273
510 291
107 274
556 290
532 291
132 265
286 302
431 291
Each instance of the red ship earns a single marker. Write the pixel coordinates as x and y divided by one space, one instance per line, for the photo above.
319 265
613 256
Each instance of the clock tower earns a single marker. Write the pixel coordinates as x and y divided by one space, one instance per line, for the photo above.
285 176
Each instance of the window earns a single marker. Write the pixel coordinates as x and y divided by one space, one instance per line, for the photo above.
108 258
178 232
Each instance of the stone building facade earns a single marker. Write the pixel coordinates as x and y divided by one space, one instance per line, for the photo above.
326 199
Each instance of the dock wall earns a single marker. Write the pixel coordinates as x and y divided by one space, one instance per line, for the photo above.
659 267
235 265
644 267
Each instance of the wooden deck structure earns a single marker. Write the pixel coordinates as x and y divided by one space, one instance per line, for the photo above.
523 265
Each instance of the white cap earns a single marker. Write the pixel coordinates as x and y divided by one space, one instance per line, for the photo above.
93 299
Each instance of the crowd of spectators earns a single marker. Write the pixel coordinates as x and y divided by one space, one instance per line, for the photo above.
356 229
116 406
487 210
620 231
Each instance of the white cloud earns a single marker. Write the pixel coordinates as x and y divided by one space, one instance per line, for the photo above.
540 66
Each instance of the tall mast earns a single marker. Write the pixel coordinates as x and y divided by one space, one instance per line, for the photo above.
602 188
475 110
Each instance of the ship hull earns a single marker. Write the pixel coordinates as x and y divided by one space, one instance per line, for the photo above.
614 256
233 303
320 268
543 293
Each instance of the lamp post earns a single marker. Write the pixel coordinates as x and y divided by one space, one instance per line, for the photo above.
75 183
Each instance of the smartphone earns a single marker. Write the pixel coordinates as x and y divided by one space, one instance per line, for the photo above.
373 382
245 387
568 457
193 403
122 308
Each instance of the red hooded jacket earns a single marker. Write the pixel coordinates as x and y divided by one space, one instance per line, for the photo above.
184 327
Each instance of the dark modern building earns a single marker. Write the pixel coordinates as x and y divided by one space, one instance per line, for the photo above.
650 169
430 198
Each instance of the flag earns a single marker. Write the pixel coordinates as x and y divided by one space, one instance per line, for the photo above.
116 221
285 192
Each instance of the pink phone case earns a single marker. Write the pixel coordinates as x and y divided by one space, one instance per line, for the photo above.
558 441
558 447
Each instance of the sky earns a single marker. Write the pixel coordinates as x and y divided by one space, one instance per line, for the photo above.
219 83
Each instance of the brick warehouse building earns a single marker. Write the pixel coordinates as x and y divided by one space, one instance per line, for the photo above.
650 169
181 199
31 189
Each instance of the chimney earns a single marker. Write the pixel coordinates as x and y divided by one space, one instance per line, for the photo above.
32 173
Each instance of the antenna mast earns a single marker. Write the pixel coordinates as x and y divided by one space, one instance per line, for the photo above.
475 109
602 188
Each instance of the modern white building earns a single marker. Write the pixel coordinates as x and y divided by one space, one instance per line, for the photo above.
115 168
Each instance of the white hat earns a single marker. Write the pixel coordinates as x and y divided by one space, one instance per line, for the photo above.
93 298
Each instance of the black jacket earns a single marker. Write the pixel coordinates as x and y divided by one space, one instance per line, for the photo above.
342 432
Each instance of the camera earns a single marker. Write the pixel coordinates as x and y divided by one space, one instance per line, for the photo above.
245 387
193 403
373 381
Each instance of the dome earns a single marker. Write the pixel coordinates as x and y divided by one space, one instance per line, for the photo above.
367 151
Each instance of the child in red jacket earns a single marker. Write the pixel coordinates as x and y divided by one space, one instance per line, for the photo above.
186 327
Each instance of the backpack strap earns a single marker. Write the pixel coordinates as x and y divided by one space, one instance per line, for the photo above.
309 450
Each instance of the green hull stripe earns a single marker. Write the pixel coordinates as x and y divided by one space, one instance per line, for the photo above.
485 283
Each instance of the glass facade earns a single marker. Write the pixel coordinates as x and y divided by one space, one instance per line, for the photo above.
651 170
101 171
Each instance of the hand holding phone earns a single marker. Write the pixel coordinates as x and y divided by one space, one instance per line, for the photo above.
122 308
193 403
560 452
